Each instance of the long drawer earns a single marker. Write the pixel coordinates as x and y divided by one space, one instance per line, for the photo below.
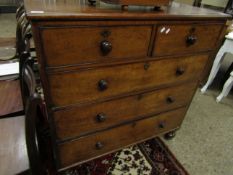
79 44
104 142
185 38
88 85
81 120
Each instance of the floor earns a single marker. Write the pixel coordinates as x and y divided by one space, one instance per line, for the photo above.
204 144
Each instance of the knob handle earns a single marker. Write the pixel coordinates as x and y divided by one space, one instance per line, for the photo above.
103 85
105 47
146 66
99 145
101 117
162 125
180 71
170 100
191 40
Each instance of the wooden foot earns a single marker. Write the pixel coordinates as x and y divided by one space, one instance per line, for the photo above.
92 2
124 7
170 135
156 8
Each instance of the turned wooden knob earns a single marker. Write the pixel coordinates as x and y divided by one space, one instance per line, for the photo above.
180 71
170 99
99 145
103 85
162 125
105 47
101 117
191 40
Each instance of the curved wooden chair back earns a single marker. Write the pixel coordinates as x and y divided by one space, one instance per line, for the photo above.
33 119
36 126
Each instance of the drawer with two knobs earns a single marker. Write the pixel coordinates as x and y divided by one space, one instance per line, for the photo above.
77 45
85 119
102 83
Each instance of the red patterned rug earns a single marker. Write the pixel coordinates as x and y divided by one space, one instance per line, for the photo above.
148 158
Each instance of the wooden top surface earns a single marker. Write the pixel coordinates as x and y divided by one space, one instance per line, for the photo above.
10 101
80 9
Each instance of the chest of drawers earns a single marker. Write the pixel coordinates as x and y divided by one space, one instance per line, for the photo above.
112 78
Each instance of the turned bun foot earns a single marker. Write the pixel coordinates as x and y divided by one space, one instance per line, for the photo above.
92 2
170 135
124 7
156 8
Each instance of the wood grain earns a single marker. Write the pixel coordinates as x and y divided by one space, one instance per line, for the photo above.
172 39
11 100
76 87
77 44
133 76
208 67
7 42
75 151
84 119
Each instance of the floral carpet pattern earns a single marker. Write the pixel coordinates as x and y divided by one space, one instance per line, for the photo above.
149 158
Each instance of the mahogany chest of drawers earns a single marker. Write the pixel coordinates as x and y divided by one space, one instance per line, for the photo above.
113 78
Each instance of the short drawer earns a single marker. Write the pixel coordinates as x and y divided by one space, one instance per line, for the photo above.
78 45
95 145
185 38
108 82
89 118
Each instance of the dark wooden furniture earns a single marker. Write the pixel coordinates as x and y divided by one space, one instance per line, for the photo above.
22 107
113 78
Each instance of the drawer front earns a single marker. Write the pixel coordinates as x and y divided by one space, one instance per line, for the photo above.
105 82
185 38
67 46
89 118
104 142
